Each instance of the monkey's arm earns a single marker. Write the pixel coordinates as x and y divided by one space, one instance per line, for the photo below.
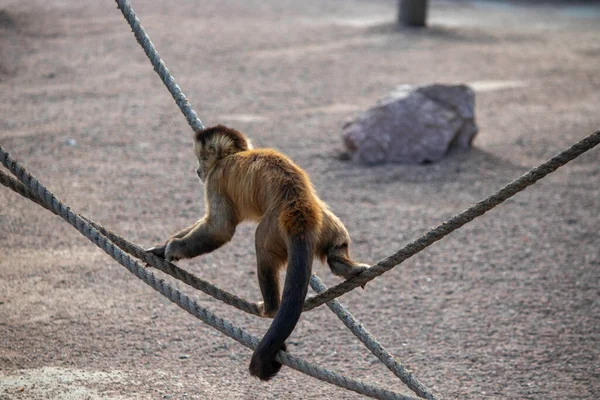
211 232
160 249
187 230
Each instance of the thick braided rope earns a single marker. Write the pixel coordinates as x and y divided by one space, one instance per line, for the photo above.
18 187
51 202
335 306
372 344
159 66
180 274
412 248
456 222
185 107
138 252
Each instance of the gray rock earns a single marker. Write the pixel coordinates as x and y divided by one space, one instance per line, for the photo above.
413 125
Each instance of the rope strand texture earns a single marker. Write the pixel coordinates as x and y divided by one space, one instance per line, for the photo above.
32 187
179 273
138 252
456 222
373 345
159 66
335 306
102 238
412 248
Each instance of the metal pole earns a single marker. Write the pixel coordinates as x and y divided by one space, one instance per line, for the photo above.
412 12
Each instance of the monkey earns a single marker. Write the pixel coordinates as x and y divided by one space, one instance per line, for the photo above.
294 227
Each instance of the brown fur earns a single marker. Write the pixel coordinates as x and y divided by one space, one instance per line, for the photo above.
294 226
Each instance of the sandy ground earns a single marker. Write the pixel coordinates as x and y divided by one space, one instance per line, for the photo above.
506 307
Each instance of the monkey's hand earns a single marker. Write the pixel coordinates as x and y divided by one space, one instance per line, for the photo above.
175 250
158 251
172 250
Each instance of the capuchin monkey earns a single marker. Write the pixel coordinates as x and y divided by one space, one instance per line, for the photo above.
295 226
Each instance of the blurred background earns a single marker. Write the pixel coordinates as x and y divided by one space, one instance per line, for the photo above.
506 307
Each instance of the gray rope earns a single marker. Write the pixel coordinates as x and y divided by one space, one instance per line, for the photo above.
412 248
18 187
185 107
456 222
181 274
347 318
421 243
138 252
49 201
183 301
159 66
372 344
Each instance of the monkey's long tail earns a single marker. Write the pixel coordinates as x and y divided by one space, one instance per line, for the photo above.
300 258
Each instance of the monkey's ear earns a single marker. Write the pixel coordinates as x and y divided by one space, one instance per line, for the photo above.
249 143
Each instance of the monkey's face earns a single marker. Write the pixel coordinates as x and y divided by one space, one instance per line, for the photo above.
200 172
203 167
206 160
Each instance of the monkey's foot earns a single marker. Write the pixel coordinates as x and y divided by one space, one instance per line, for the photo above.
355 270
265 313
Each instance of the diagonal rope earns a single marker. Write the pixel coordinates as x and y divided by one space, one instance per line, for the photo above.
159 66
149 258
372 344
456 222
32 187
180 273
412 248
335 306
327 295
385 265
18 187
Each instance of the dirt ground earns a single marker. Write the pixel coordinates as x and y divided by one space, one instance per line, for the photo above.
506 307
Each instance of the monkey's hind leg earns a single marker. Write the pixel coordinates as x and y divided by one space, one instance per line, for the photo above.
341 264
268 265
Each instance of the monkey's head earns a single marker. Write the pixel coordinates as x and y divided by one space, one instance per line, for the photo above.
215 143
